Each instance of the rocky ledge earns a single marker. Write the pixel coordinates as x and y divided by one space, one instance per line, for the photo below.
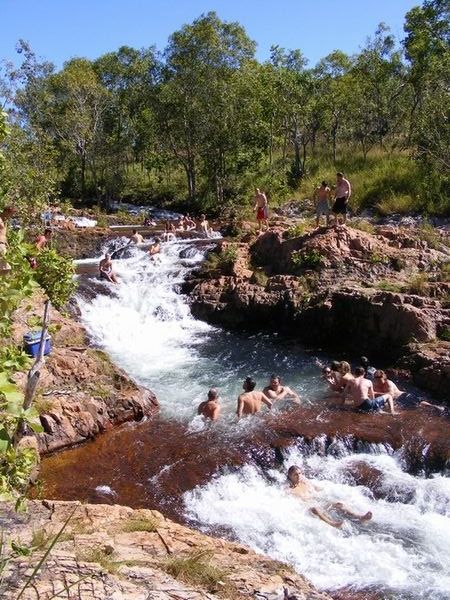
114 553
384 294
81 392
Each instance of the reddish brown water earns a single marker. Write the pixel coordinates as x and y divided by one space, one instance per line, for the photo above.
152 464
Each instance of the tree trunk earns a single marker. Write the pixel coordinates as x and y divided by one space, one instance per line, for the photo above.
34 374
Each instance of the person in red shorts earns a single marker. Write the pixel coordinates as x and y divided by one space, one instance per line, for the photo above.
262 209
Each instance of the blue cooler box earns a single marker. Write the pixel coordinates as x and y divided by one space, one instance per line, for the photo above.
31 341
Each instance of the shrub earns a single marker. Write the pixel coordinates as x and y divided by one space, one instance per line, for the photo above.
418 285
297 230
306 259
362 225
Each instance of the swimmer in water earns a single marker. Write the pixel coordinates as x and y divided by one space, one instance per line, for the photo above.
304 489
210 408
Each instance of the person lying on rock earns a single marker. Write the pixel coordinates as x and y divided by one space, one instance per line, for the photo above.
251 401
382 386
106 271
275 391
303 488
359 391
210 408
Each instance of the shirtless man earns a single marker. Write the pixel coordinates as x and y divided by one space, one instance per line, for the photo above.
43 240
136 238
5 215
304 489
155 248
211 408
322 198
250 401
275 391
384 386
262 209
342 194
203 226
359 391
106 271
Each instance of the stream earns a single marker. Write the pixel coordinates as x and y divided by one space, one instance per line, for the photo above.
222 478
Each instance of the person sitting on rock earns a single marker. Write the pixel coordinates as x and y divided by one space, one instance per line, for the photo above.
169 235
370 371
203 226
106 271
383 386
136 238
155 248
345 373
189 223
333 377
275 391
210 408
359 391
251 401
303 488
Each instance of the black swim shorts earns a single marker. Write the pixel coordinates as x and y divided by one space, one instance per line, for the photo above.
340 206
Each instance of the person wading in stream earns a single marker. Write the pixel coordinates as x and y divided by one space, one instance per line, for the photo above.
304 489
275 391
106 271
211 408
251 401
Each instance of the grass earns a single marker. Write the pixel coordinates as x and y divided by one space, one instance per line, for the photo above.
140 524
444 334
389 286
220 263
196 568
298 230
362 225
44 405
259 277
101 391
428 233
101 556
311 259
418 285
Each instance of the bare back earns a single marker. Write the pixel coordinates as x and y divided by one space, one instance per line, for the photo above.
210 409
359 389
250 403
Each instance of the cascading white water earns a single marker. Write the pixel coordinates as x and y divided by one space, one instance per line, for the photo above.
404 550
148 330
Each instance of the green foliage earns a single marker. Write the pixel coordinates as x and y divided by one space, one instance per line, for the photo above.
376 258
306 259
16 463
362 225
430 235
101 556
417 285
444 334
14 359
297 230
220 262
389 286
55 275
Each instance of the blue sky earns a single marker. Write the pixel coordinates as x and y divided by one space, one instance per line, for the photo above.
60 29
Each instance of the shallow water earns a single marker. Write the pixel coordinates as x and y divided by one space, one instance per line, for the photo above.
199 473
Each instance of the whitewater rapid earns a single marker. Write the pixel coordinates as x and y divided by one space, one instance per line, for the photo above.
404 551
147 328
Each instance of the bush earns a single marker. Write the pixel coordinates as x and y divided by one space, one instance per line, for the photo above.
196 569
309 259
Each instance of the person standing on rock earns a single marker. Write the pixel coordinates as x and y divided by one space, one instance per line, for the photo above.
322 198
251 401
303 488
275 391
360 392
342 193
262 209
211 408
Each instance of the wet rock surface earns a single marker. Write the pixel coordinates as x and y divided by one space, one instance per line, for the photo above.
114 552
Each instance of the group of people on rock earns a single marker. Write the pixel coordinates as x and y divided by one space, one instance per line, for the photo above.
368 389
328 203
251 400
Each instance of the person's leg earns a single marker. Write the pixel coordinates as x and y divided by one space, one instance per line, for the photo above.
326 518
436 406
349 513
390 402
